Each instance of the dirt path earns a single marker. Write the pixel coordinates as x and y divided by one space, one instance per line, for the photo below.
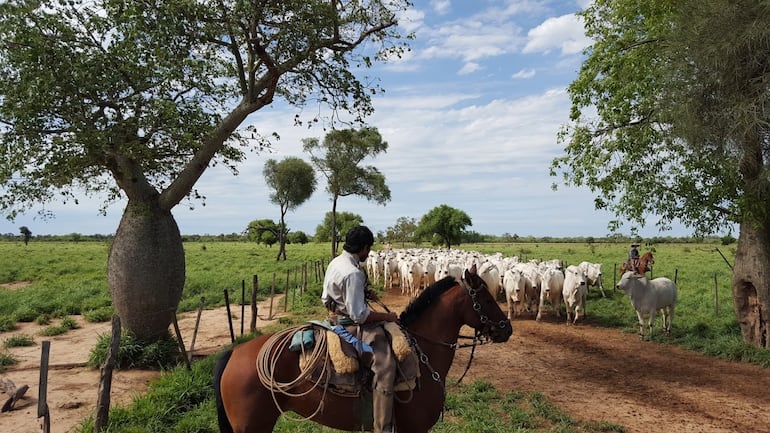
594 374
598 374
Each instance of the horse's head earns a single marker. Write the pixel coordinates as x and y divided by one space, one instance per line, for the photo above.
488 319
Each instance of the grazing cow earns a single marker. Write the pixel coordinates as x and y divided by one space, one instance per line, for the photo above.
574 292
649 296
551 291
593 275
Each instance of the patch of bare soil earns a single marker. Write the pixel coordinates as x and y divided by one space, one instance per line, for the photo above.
593 374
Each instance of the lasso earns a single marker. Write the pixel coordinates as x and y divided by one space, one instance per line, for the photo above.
267 359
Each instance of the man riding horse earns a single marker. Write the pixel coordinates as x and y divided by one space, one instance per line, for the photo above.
633 258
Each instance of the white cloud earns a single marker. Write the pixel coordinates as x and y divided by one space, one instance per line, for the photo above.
524 73
411 19
469 68
565 33
442 7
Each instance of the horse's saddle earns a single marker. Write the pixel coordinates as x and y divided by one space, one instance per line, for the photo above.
344 368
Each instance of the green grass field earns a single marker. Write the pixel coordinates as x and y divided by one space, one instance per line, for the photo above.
53 279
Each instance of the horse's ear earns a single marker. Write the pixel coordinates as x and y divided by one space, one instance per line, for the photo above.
472 270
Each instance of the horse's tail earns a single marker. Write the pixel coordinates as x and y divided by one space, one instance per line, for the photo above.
219 368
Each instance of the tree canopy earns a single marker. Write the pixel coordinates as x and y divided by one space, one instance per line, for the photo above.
668 120
443 225
264 231
293 182
343 221
338 158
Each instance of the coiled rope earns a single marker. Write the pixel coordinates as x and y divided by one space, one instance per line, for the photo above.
267 360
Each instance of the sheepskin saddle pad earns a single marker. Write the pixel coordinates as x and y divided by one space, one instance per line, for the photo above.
341 366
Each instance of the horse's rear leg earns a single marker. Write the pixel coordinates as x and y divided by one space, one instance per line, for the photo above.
248 405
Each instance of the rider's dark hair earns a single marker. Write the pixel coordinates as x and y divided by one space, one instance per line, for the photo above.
357 239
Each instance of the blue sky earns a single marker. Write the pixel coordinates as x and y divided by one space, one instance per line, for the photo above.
470 116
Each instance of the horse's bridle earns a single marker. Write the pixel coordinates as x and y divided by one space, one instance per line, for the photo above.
487 325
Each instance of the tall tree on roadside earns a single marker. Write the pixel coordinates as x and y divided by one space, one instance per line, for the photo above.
338 158
135 99
403 231
293 182
669 119
443 223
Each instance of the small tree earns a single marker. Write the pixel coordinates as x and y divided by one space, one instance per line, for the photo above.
338 158
264 231
293 182
336 227
403 231
444 223
26 233
298 237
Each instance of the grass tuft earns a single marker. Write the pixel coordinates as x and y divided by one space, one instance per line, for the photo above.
20 340
134 353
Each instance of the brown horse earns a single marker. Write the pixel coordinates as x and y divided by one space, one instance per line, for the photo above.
644 264
433 320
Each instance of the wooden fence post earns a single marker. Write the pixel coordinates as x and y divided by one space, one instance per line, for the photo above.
286 293
254 311
243 304
181 343
272 295
105 383
42 398
716 296
197 324
229 317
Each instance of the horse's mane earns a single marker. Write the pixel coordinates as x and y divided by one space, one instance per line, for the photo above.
426 298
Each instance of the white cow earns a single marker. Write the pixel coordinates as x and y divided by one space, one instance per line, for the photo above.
515 285
390 268
448 269
531 273
429 266
574 292
649 296
593 275
551 291
491 276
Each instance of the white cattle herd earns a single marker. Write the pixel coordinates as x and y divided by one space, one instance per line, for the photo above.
527 286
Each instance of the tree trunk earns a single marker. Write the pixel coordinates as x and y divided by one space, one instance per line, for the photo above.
146 270
334 226
282 237
751 281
